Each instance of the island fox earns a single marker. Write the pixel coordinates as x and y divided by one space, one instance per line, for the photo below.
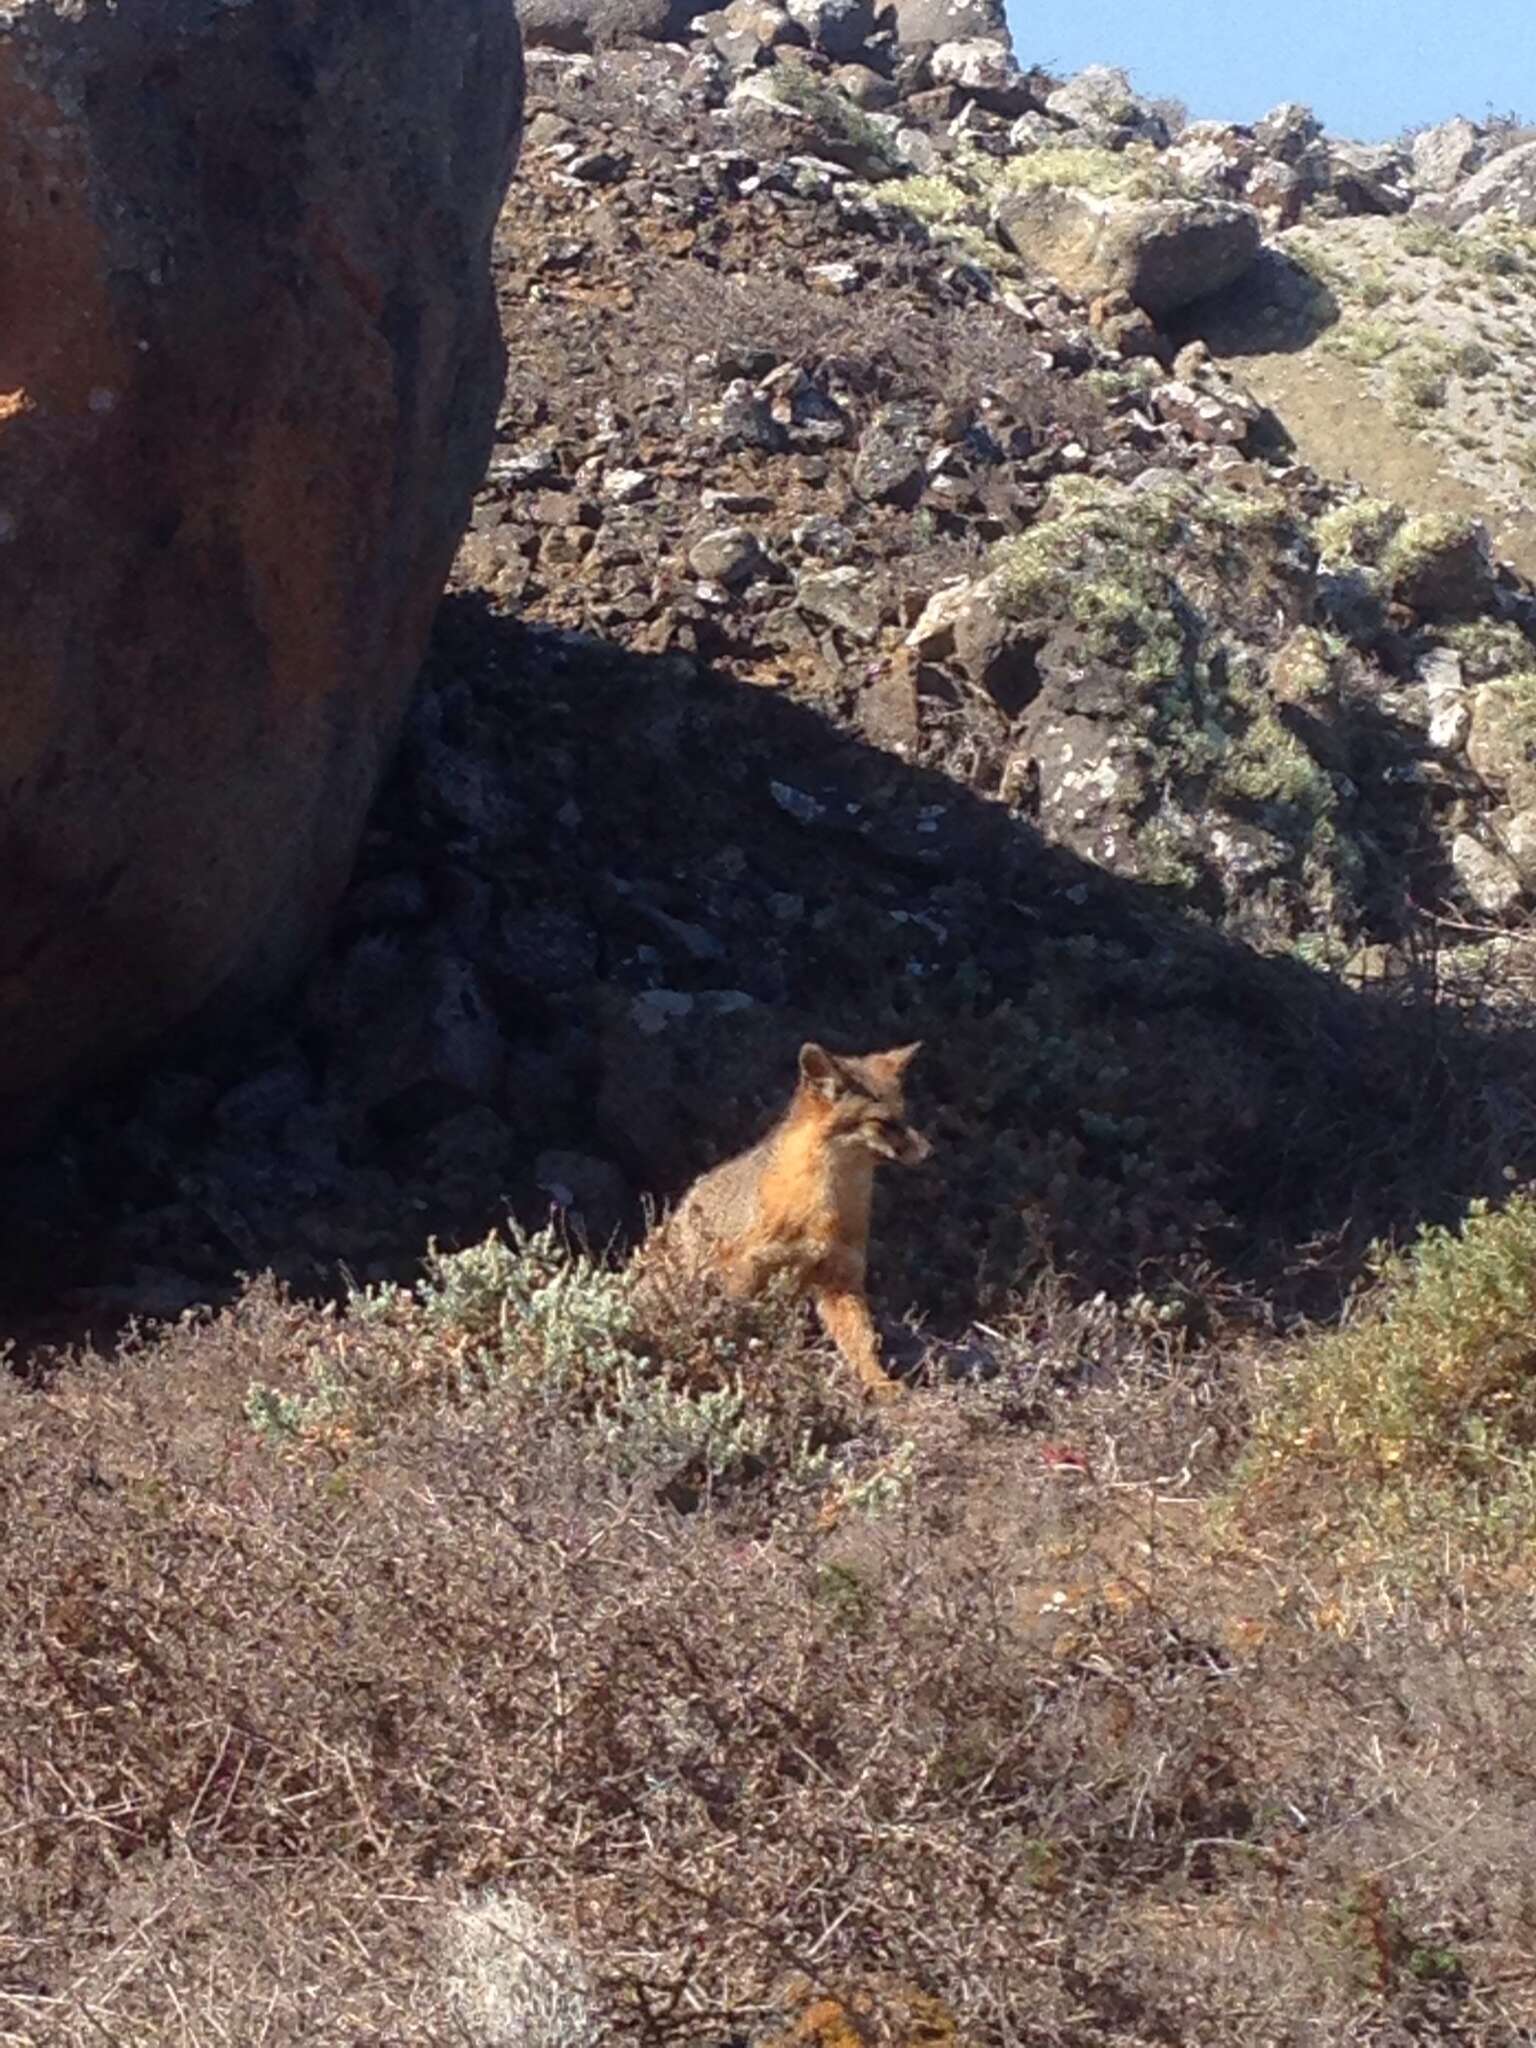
798 1201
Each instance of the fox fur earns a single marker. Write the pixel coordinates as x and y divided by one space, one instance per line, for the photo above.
798 1202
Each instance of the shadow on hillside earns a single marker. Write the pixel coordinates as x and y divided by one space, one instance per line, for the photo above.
1278 307
603 898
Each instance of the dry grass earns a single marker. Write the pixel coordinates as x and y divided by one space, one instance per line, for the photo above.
431 1718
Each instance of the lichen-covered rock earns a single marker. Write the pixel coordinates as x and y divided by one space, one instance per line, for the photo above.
1163 253
1447 153
949 21
1124 636
582 25
1288 131
1101 101
1502 744
1503 190
789 112
1491 880
251 370
1364 179
840 28
984 71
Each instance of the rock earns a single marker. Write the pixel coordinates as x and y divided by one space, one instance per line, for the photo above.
594 1195
864 87
1288 131
840 28
984 71
433 1048
730 556
1277 190
932 638
1443 568
949 21
1517 837
888 708
543 951
1101 102
628 486
1125 327
1224 418
1450 723
1502 743
256 370
474 1145
997 653
838 281
747 421
818 122
600 167
746 31
843 597
889 469
1368 180
1445 154
1492 882
1163 253
1214 156
1503 190
577 25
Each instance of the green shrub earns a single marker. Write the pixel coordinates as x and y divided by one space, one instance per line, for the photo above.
1422 1406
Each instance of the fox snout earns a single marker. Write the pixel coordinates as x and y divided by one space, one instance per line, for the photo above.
911 1148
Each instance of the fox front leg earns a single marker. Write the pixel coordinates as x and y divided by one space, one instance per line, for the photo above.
846 1319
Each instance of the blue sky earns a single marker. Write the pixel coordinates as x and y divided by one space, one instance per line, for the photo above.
1367 67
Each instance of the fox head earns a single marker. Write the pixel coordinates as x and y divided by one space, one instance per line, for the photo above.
862 1096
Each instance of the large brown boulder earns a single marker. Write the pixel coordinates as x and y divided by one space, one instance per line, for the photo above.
249 372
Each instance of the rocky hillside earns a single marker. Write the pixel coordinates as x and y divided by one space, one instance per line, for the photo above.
912 594
879 617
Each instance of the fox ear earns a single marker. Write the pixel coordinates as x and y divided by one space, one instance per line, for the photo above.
899 1058
818 1069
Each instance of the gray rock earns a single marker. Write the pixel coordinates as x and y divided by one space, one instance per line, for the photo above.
1163 253
1368 180
1288 131
864 87
582 25
949 21
747 421
889 468
985 71
1101 101
840 28
593 1194
434 1046
817 122
730 556
1517 838
1492 881
1502 743
1503 190
1447 153
844 597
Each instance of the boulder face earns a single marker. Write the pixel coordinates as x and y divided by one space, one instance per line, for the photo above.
1163 253
1502 190
249 374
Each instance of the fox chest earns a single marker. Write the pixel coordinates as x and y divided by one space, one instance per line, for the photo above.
808 1210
